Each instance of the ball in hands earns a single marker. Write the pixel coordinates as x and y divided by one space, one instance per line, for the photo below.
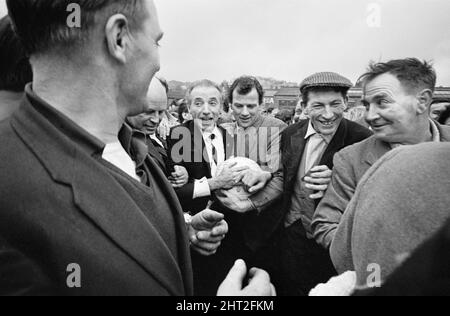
239 191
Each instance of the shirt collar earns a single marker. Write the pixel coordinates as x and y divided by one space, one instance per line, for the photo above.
215 132
74 132
311 131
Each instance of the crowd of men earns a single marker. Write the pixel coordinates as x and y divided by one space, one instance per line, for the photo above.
214 200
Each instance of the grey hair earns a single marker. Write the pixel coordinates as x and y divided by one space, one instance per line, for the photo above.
205 83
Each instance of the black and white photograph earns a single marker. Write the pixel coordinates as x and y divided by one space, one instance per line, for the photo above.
232 155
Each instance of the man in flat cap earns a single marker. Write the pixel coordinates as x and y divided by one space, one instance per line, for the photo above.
308 148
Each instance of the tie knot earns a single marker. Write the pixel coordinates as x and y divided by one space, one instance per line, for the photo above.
213 136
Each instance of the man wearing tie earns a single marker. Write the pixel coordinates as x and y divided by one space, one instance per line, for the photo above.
201 146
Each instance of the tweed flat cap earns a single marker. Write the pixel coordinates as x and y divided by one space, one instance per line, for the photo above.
326 79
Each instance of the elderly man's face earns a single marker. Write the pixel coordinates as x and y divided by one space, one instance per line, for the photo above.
143 62
326 111
246 108
392 110
437 109
205 107
148 121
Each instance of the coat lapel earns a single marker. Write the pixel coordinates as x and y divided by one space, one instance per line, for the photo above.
336 144
156 154
99 197
379 149
294 155
177 212
199 147
228 143
122 220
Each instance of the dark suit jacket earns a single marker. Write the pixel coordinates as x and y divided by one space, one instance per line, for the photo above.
187 149
159 155
59 206
293 145
138 145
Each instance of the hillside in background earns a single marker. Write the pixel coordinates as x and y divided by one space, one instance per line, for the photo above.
267 83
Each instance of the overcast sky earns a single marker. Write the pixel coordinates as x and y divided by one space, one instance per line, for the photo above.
290 39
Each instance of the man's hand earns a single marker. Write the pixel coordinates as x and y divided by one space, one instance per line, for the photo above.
228 178
231 200
318 180
179 178
255 181
206 232
258 282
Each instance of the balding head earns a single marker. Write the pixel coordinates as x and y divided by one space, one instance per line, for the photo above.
157 105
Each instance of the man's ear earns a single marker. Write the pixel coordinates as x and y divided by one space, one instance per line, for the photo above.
424 99
118 37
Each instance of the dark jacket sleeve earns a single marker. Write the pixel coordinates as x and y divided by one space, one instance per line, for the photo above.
20 276
186 192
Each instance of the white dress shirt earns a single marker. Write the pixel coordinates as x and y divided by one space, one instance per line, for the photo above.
315 148
116 155
201 186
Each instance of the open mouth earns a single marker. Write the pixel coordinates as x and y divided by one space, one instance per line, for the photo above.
328 123
207 121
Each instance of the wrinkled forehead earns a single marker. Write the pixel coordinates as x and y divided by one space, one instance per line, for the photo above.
205 94
385 84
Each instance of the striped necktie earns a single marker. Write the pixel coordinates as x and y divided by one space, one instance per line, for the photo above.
214 150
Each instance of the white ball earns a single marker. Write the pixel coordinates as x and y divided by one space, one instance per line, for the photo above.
240 190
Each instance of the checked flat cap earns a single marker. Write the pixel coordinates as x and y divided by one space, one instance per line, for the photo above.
325 79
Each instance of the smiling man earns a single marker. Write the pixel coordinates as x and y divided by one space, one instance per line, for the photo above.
146 124
201 146
398 95
308 148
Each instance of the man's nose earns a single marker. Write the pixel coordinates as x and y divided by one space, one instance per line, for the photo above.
206 110
372 114
245 112
328 114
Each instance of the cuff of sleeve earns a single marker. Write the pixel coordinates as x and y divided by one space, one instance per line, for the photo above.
201 189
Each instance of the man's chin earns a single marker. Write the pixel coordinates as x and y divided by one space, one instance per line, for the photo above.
384 138
246 123
326 131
